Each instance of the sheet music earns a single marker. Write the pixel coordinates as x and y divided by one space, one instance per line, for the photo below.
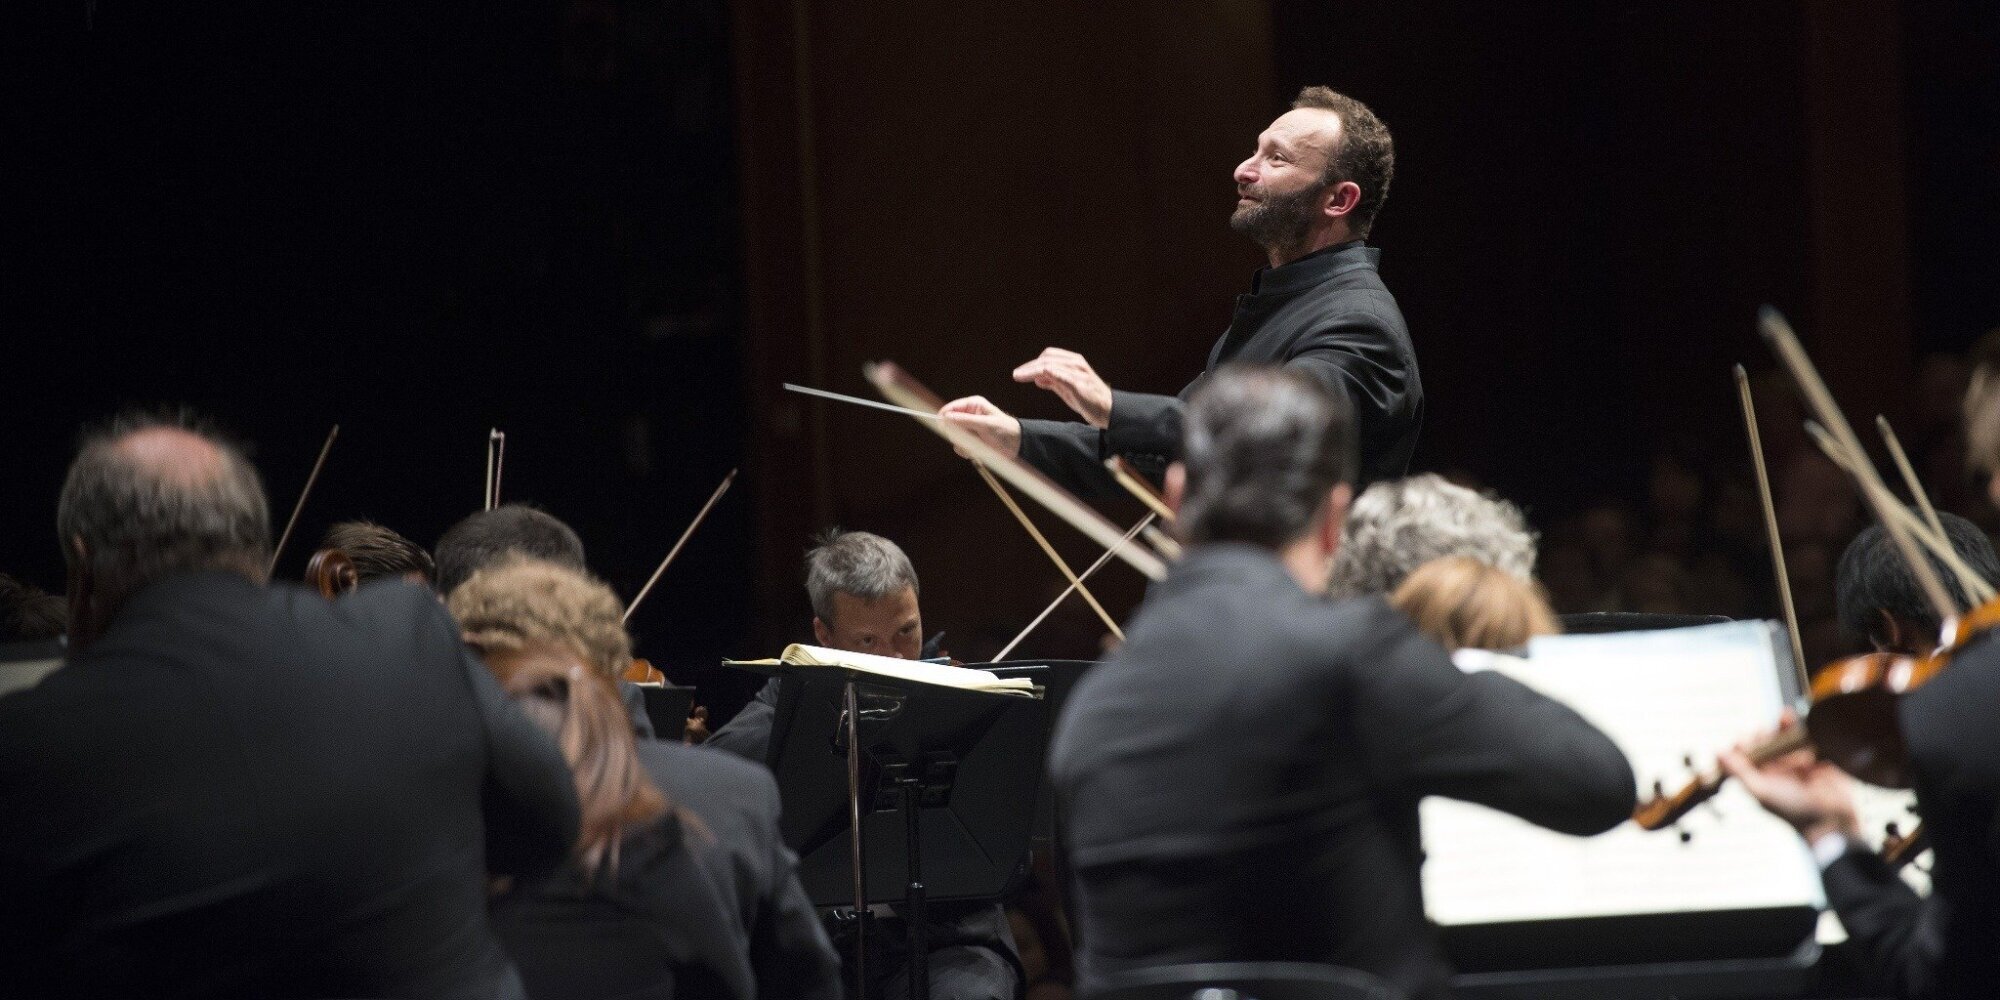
1661 696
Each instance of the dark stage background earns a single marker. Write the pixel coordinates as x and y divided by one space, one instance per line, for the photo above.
613 228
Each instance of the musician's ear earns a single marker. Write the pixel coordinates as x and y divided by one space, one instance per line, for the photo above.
1333 516
1176 486
822 632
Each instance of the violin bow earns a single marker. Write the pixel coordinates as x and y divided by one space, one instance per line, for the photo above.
496 457
1075 582
1909 472
1136 485
1940 547
1144 523
900 388
676 550
293 521
1771 530
1778 333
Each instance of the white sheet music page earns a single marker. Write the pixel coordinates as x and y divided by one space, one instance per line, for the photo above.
1661 696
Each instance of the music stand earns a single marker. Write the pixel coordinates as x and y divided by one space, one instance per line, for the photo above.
942 782
667 707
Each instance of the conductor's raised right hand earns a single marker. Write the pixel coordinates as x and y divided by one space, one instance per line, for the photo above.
988 423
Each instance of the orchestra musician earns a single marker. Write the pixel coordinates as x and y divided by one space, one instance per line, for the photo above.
864 590
1307 196
488 537
1396 526
377 553
234 789
681 884
1190 843
1947 944
1465 604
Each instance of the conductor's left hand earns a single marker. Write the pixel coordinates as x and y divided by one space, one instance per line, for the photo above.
1068 375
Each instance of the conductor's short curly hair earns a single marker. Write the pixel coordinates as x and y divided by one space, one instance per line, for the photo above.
1396 526
521 601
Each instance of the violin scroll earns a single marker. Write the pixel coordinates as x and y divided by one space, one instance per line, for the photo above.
332 573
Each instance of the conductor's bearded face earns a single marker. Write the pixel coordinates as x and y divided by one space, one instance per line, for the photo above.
887 626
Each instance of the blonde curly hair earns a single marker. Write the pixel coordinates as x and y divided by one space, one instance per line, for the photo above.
522 601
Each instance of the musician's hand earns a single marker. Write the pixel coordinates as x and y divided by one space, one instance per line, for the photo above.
986 422
1068 375
1812 795
697 726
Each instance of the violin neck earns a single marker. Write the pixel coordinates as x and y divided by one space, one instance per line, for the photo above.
1790 740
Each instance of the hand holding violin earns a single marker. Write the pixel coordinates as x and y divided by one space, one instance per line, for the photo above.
1815 797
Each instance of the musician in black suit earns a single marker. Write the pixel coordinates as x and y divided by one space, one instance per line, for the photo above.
1946 945
1308 196
681 884
864 599
1241 778
240 790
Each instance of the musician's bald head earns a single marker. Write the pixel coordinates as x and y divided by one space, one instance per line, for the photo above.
151 495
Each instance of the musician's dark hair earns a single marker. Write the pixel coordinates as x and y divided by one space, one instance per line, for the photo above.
1262 447
484 538
142 518
857 563
1872 578
379 553
29 613
1367 155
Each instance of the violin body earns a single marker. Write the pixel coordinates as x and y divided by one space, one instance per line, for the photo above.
642 671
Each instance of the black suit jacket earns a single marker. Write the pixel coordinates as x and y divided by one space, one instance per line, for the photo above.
249 791
704 904
1327 315
1949 944
1240 780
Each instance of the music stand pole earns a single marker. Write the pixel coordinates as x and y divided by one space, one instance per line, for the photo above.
914 917
853 702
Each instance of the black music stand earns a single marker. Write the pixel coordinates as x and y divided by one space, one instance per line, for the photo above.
942 782
667 707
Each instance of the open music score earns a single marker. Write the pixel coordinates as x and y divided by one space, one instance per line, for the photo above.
1660 696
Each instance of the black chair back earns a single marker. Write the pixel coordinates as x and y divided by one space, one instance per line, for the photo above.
1245 981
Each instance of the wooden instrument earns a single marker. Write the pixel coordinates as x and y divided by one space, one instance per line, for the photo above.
292 522
332 573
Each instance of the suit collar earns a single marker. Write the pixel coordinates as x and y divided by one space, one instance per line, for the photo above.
1314 268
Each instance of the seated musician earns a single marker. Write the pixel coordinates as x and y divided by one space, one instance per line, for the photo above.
376 553
234 791
681 885
1398 525
1191 843
1877 598
490 536
864 600
1944 945
1462 603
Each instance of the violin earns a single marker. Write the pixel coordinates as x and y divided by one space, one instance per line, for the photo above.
642 671
1854 724
332 573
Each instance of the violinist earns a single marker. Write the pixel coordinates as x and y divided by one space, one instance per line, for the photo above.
864 598
232 790
1944 945
681 884
376 553
1307 196
489 537
1191 843
1879 603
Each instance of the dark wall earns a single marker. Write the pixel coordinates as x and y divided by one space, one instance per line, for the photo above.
418 221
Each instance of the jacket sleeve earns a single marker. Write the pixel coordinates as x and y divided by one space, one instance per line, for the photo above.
1430 729
1900 932
748 734
1071 453
530 795
789 950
